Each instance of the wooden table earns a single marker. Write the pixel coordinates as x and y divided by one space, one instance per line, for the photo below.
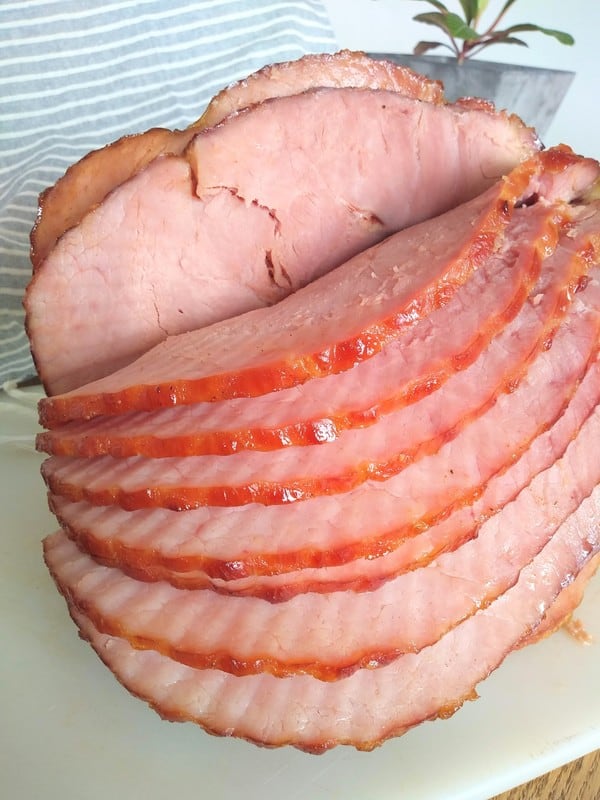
579 780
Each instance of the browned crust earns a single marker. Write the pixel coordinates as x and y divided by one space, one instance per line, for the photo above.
89 181
346 68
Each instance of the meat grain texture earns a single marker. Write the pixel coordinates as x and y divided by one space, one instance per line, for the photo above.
323 414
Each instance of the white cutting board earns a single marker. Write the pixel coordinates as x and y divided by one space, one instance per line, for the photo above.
68 730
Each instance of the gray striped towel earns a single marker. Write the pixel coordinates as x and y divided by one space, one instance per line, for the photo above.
76 75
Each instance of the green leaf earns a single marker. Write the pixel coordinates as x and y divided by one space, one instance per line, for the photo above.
561 36
437 20
459 29
451 24
424 47
506 40
470 9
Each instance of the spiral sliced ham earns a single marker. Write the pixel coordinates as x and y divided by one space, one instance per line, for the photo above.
191 551
331 634
448 477
325 521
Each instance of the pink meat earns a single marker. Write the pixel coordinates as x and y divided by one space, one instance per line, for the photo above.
162 237
560 612
88 182
344 318
422 279
331 634
431 484
385 127
409 368
371 704
191 551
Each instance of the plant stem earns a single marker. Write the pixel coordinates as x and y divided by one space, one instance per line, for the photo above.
497 21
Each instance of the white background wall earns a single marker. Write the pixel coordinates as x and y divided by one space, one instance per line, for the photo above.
387 26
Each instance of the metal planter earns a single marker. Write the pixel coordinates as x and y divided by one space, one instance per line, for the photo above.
533 93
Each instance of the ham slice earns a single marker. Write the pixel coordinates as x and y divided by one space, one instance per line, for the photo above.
434 477
560 613
371 704
409 368
191 551
331 634
342 319
88 182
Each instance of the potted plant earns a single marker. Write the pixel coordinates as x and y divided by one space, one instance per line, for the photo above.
533 93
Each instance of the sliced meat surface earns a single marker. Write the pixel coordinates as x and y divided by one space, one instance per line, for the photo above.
409 368
362 206
561 611
331 634
345 68
200 548
86 183
344 318
441 177
371 704
435 478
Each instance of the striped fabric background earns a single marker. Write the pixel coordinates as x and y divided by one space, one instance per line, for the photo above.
76 75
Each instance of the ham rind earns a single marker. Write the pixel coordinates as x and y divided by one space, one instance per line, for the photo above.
188 551
433 478
86 183
369 706
331 634
175 265
406 370
338 321
345 68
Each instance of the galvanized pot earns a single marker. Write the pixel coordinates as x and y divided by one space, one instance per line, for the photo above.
533 93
